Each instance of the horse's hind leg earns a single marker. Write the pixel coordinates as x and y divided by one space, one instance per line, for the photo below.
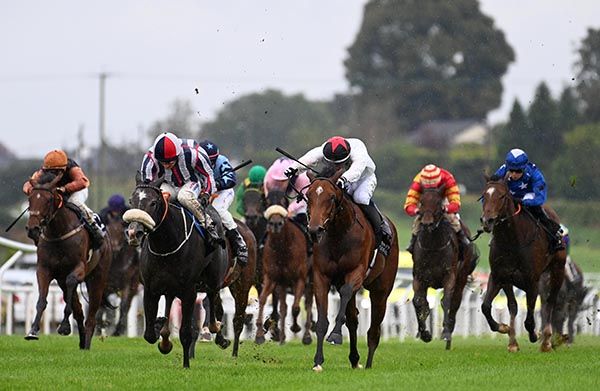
421 309
43 277
513 309
486 306
378 307
70 289
308 304
346 292
150 311
95 290
281 291
556 280
79 318
162 327
126 298
239 290
220 340
352 325
185 333
267 289
272 322
453 306
299 289
531 296
322 285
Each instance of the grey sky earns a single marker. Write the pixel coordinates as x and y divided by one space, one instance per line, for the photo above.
156 51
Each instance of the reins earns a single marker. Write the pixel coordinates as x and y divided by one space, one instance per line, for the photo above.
57 208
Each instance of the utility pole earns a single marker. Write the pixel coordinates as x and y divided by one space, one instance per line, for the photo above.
101 176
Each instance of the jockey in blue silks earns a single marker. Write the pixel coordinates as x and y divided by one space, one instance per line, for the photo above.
527 185
225 181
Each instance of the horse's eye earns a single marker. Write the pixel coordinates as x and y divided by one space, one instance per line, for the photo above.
153 203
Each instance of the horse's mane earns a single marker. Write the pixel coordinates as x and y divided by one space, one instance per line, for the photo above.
495 178
46 177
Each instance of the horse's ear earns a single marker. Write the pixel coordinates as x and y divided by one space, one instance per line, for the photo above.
486 176
442 189
55 181
311 175
337 174
138 178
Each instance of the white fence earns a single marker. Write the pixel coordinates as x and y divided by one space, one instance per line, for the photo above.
17 309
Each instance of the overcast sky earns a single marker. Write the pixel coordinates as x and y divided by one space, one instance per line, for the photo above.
156 51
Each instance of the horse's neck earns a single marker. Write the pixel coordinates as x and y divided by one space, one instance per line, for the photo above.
515 229
169 230
63 221
345 216
437 236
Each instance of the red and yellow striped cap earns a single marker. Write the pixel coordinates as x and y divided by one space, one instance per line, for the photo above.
431 176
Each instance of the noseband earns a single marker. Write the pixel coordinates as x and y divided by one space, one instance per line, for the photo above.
505 199
166 204
338 203
55 210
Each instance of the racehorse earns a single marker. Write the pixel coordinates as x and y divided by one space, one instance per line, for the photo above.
239 280
255 205
344 255
437 264
124 275
519 255
285 265
175 261
64 254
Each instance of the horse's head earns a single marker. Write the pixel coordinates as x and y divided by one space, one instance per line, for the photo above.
496 202
115 226
254 205
324 200
44 202
431 207
149 208
277 204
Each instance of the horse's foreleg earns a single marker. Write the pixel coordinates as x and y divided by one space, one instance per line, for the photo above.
239 291
272 322
308 304
531 296
321 284
126 298
298 291
352 325
448 303
220 340
346 292
43 278
70 289
421 309
162 326
185 332
281 290
266 291
557 274
150 311
486 306
513 309
79 318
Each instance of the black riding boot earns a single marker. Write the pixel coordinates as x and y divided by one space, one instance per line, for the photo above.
302 219
383 233
552 228
238 246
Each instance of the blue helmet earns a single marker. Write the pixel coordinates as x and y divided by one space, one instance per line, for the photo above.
212 150
116 201
516 159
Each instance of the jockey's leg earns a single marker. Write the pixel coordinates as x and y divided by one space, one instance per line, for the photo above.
362 193
552 227
416 225
188 197
94 228
463 240
221 203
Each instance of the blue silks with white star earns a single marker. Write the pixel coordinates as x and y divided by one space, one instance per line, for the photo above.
530 188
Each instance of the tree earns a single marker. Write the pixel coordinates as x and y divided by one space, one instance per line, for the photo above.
568 110
433 59
180 120
515 133
546 136
259 122
588 75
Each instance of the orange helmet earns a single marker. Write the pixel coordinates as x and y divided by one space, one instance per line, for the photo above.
431 176
55 160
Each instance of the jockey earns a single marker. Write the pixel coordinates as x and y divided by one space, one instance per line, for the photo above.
358 180
73 185
432 176
115 208
187 174
256 176
225 180
527 184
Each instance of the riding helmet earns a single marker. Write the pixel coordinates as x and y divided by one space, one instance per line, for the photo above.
516 159
336 149
167 147
55 160
430 176
256 174
116 201
212 150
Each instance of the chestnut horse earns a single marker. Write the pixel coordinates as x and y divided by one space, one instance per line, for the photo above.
285 265
175 262
519 256
437 264
63 254
124 275
344 256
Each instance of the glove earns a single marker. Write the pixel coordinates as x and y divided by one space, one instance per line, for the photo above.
204 199
290 172
342 182
452 207
412 210
61 189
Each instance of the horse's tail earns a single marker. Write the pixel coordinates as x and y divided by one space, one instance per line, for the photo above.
106 303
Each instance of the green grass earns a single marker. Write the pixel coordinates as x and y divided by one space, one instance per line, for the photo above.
56 362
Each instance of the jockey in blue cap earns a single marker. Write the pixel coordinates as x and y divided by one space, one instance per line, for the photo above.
115 209
527 185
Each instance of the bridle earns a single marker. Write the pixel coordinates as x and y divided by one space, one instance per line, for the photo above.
56 196
505 198
161 195
338 203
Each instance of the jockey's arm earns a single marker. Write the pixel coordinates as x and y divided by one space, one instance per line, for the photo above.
360 158
78 180
28 185
203 168
411 204
228 178
538 196
501 171
149 168
453 195
310 159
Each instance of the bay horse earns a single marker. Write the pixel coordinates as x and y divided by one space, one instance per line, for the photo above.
285 265
344 251
64 254
124 274
437 264
519 256
175 262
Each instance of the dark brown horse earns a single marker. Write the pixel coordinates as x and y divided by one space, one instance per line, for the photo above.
64 254
437 264
124 275
285 265
344 256
175 262
519 256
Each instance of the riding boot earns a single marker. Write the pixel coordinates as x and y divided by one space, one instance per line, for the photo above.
551 227
238 245
302 220
411 245
383 233
94 226
206 221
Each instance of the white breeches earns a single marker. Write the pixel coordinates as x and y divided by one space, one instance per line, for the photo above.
222 200
78 198
362 191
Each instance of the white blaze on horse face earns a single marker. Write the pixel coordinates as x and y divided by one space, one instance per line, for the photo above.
141 195
490 191
319 190
37 196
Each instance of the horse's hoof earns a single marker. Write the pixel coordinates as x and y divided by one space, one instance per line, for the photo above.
166 349
32 337
295 328
64 329
357 366
546 347
335 338
317 368
503 328
150 338
448 344
426 336
259 340
224 344
313 326
275 334
214 327
533 337
307 340
513 348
